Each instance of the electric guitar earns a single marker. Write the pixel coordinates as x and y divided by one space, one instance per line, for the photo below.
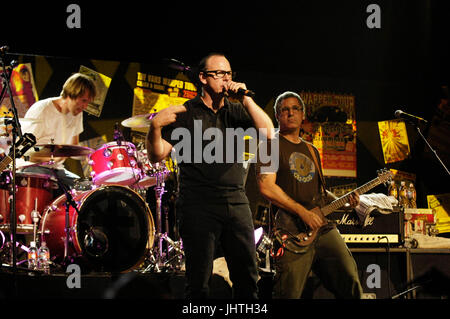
22 145
306 236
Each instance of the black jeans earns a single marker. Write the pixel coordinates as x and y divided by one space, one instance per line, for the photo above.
203 227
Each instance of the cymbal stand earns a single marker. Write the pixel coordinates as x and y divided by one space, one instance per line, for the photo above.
160 258
159 191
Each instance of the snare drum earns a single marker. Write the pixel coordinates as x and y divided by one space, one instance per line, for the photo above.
34 193
111 231
114 164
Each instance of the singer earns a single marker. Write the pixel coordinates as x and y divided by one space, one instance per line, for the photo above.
214 208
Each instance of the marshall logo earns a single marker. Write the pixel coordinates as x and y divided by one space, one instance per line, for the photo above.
360 230
348 220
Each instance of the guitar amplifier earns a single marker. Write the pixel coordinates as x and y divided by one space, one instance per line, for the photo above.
377 230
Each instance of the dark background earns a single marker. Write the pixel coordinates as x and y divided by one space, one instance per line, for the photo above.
322 46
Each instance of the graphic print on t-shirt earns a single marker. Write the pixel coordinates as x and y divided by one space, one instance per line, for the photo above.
302 167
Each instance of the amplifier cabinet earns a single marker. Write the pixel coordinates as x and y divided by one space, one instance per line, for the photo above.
376 230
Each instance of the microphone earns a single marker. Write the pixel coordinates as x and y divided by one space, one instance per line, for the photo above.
412 118
177 65
241 91
4 49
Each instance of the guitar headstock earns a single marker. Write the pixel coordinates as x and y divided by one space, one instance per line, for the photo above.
385 176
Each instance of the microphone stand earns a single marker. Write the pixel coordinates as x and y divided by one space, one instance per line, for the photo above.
432 150
69 202
16 132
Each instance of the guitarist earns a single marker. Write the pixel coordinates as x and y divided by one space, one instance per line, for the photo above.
293 190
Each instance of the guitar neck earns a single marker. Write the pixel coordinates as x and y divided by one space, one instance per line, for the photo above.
341 201
5 162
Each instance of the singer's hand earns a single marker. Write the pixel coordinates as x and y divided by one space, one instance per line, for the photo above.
233 87
167 116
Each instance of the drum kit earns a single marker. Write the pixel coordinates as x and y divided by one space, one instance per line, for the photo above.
103 224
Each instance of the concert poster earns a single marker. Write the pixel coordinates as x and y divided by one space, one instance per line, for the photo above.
394 141
102 83
330 125
154 93
441 206
23 90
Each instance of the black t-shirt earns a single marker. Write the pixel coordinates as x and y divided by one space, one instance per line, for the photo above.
297 174
211 170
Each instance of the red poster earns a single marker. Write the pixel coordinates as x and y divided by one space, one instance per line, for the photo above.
23 91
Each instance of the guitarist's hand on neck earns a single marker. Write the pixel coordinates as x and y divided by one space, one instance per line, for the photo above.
353 199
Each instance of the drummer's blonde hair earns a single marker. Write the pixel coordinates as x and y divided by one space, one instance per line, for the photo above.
77 85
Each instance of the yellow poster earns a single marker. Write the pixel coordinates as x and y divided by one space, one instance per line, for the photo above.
102 83
441 206
154 93
394 141
146 101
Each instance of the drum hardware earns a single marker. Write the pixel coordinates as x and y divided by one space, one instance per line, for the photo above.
69 202
118 136
148 170
6 251
170 258
35 216
18 140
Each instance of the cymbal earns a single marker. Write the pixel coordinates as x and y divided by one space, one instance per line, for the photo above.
55 150
139 121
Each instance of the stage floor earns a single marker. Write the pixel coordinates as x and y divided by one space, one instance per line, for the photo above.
132 285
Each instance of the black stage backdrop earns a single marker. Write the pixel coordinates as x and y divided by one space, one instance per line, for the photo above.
323 46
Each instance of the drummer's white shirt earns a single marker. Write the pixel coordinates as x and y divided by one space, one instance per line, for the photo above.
52 126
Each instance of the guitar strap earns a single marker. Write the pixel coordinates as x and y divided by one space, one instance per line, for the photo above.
319 168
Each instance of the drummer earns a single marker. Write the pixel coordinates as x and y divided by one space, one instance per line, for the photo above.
58 120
